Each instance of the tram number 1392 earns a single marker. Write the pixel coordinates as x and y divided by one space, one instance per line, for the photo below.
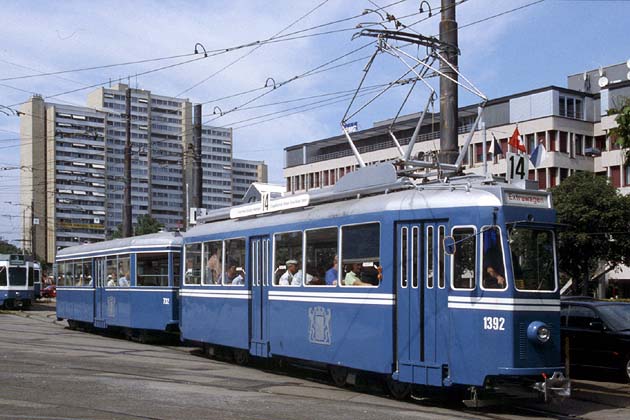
494 323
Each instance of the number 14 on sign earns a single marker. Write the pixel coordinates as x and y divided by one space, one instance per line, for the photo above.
517 167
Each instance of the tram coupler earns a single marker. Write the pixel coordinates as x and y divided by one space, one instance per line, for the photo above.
556 386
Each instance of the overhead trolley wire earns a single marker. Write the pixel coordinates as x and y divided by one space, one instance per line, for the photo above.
295 22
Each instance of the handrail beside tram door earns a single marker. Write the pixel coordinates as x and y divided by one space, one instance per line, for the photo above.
259 267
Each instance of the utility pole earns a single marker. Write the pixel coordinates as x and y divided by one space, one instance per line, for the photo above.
448 88
197 178
126 225
33 234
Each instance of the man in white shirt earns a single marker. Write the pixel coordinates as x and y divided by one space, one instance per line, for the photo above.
293 276
124 280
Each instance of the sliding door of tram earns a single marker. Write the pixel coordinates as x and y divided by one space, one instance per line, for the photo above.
421 302
100 282
259 267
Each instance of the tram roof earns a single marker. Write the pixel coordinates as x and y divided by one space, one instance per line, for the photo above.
410 199
161 239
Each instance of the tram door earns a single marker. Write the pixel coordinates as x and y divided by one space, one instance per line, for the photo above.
260 275
421 294
100 282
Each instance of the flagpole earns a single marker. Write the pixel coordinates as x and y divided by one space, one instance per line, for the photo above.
483 149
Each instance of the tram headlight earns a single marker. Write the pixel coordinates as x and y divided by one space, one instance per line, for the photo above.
538 332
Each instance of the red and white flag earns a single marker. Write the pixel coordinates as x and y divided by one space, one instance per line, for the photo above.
516 142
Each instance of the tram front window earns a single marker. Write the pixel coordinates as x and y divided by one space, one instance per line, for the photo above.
493 269
17 276
533 259
3 276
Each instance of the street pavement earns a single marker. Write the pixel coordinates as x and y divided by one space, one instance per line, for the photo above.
48 371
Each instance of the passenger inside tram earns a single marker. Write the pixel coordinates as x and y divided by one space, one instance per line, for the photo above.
293 275
233 275
493 279
353 275
110 281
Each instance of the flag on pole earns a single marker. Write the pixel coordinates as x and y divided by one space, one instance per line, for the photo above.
516 142
495 149
538 155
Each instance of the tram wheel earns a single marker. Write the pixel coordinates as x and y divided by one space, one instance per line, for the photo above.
241 357
398 390
338 374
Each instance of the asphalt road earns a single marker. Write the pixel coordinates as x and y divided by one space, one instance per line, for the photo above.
50 372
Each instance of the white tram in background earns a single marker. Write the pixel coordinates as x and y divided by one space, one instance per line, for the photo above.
18 275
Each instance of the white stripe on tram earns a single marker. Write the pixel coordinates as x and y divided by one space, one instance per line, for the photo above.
211 294
305 298
511 308
515 301
334 295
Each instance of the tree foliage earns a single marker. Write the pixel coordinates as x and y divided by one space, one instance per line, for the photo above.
621 133
7 248
597 238
147 224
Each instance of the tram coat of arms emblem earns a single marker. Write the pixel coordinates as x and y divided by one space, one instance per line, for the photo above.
319 325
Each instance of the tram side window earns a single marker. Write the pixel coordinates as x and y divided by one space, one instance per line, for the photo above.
124 278
213 266
193 264
66 274
152 269
31 276
177 269
234 274
360 255
288 259
3 276
112 275
87 272
322 257
464 259
493 268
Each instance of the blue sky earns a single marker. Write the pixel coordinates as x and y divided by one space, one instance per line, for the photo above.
536 46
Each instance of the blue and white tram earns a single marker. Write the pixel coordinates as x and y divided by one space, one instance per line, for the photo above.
17 276
451 285
129 283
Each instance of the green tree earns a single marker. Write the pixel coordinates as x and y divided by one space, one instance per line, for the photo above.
147 224
597 239
7 248
621 133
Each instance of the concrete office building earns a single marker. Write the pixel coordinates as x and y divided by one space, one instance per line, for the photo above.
72 161
573 124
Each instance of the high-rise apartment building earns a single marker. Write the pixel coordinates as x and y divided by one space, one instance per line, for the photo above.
72 159
244 174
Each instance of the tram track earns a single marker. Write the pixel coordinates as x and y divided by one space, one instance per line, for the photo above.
271 387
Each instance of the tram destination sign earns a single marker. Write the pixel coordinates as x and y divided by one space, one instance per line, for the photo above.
515 198
267 205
